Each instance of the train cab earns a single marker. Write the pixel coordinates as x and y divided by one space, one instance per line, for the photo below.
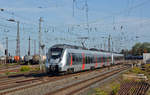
53 61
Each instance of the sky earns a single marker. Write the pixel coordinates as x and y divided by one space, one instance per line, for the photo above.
127 21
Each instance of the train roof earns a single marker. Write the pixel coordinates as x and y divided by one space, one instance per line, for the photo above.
64 46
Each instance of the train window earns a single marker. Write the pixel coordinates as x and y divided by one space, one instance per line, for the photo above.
105 59
77 59
87 60
80 59
98 59
102 59
109 58
92 59
73 58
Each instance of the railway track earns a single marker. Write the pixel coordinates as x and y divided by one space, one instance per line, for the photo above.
133 88
80 85
15 68
8 66
25 83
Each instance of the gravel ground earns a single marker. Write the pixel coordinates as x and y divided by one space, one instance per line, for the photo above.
52 86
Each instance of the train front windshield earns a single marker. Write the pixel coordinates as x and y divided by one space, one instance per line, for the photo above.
55 53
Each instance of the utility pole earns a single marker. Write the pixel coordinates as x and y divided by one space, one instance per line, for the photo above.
104 42
112 46
6 51
109 42
34 47
18 41
87 15
40 20
29 47
73 8
40 43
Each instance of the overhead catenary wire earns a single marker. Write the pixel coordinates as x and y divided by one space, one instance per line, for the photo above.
117 13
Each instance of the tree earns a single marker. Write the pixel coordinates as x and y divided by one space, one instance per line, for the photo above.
140 48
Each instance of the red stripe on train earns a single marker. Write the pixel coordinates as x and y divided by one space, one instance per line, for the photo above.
83 60
71 61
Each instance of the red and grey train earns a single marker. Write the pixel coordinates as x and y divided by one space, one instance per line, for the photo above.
68 58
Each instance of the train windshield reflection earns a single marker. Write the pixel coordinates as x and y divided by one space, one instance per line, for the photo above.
56 53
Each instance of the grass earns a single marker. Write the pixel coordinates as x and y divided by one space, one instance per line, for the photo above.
115 88
35 69
98 91
8 64
136 70
9 73
25 68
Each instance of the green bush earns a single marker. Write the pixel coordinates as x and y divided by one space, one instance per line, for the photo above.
25 68
136 70
115 89
100 92
7 73
36 69
147 67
